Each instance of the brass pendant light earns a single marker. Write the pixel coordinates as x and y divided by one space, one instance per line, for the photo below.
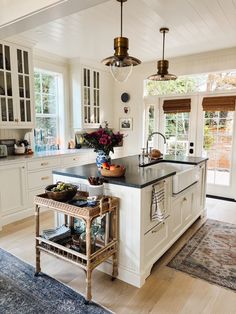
121 64
162 65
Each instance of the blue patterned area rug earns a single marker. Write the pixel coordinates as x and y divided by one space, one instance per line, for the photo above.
210 254
22 293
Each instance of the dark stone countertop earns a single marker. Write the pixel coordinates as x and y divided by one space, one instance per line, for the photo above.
135 176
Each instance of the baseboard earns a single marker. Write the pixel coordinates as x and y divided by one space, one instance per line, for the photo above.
124 274
19 215
221 198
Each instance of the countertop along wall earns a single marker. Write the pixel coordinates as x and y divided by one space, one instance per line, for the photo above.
200 63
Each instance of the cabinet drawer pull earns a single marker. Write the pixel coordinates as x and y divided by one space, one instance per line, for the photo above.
74 158
45 178
184 199
16 120
157 229
44 163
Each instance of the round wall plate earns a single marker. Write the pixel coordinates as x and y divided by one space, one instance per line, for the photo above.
125 97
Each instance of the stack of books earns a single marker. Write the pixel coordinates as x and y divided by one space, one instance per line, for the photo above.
57 234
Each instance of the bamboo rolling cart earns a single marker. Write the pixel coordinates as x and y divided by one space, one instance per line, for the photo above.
90 260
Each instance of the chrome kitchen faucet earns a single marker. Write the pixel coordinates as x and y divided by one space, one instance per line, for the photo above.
151 135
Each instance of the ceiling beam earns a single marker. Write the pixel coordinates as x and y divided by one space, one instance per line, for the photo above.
20 16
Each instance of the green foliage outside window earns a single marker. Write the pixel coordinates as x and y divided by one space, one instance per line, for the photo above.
46 110
192 84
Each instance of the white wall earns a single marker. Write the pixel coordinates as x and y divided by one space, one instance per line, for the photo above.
200 63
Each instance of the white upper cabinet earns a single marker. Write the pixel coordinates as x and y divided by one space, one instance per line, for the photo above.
16 87
90 97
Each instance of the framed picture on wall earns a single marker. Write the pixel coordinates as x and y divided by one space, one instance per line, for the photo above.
126 124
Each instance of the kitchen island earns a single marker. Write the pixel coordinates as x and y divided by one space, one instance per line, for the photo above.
144 240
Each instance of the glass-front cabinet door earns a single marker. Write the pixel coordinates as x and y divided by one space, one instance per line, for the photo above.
16 107
91 97
6 93
24 90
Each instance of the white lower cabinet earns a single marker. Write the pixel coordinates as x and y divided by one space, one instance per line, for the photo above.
176 220
155 240
40 178
21 181
39 175
40 172
12 192
74 160
185 208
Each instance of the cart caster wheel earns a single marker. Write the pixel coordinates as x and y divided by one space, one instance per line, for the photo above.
36 274
113 278
86 302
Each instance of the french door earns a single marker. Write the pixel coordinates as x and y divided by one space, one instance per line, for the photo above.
217 136
209 134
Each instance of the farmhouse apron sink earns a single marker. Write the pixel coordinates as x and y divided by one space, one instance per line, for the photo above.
185 176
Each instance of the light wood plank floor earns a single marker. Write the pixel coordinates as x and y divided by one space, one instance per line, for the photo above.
165 291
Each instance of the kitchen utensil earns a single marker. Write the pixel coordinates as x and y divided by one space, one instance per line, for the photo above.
95 180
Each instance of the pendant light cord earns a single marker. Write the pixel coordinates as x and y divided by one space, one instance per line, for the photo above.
121 18
163 45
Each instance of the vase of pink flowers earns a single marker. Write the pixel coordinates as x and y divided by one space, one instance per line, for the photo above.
103 141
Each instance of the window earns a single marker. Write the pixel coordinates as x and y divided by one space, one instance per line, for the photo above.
46 110
177 133
188 84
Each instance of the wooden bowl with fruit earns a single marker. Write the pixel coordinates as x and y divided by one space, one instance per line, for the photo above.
61 191
112 170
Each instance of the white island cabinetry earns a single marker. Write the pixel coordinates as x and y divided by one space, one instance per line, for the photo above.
143 241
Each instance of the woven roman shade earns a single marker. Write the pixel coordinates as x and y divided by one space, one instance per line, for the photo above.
177 105
221 103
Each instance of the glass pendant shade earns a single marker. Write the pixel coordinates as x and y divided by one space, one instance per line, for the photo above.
121 64
119 72
162 65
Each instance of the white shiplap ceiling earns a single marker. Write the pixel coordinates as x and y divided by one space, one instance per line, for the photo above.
195 26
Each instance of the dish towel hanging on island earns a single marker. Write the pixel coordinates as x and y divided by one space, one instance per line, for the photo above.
158 201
